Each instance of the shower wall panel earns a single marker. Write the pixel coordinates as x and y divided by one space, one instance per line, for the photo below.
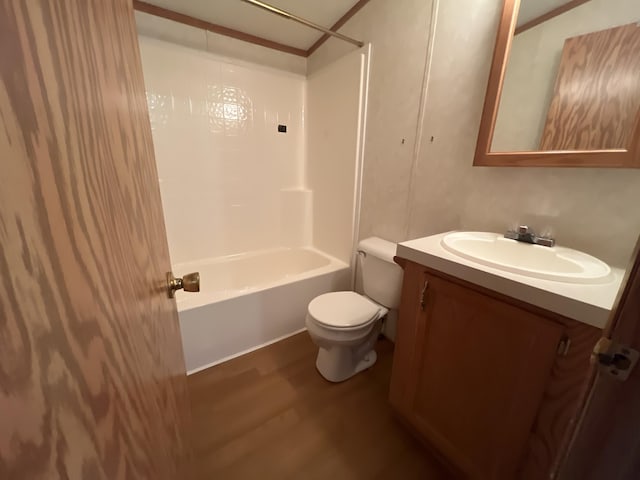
226 171
336 106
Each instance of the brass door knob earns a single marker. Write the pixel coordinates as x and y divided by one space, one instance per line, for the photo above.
189 283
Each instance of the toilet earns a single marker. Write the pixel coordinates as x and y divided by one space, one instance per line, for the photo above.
346 325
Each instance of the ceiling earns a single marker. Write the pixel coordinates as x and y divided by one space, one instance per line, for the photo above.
530 9
255 21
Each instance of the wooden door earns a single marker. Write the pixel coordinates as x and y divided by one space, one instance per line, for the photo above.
471 373
596 100
92 377
606 443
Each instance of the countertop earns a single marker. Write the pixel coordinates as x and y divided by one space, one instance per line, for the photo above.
586 303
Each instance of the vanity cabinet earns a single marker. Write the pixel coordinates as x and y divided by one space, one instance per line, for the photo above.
488 383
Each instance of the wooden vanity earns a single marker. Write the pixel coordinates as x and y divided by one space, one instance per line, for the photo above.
487 381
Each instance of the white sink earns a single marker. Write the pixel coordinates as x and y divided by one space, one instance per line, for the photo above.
550 263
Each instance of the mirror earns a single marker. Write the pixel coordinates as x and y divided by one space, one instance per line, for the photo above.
564 87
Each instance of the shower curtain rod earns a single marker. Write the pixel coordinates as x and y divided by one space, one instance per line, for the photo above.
295 18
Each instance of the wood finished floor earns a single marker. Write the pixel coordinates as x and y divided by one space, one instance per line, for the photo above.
270 415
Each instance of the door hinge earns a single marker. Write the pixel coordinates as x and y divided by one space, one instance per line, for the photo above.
614 359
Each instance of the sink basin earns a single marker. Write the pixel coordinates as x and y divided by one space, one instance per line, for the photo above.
550 263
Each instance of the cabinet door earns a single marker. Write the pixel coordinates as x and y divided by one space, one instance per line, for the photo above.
470 373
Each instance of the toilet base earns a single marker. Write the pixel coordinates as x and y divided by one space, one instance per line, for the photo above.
338 364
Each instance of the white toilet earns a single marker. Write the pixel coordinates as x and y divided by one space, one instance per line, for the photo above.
346 325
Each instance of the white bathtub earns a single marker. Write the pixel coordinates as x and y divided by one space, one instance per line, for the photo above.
251 300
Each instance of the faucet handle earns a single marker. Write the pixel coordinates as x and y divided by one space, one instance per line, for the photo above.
522 229
545 241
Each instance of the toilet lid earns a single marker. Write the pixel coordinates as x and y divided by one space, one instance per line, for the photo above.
343 309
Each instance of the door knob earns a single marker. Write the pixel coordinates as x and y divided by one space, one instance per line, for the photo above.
189 283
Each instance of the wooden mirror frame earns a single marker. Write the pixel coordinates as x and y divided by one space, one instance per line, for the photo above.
628 157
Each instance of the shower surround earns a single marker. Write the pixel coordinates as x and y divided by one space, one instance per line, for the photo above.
268 217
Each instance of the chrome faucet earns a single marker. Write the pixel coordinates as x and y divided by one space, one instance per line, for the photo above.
525 234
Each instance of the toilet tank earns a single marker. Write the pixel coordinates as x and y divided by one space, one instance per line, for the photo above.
381 276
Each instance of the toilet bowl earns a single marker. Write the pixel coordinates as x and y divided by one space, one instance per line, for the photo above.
346 325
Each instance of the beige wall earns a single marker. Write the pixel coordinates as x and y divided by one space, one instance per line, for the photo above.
399 33
533 65
409 196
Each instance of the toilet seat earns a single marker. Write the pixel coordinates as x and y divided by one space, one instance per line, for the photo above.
344 310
